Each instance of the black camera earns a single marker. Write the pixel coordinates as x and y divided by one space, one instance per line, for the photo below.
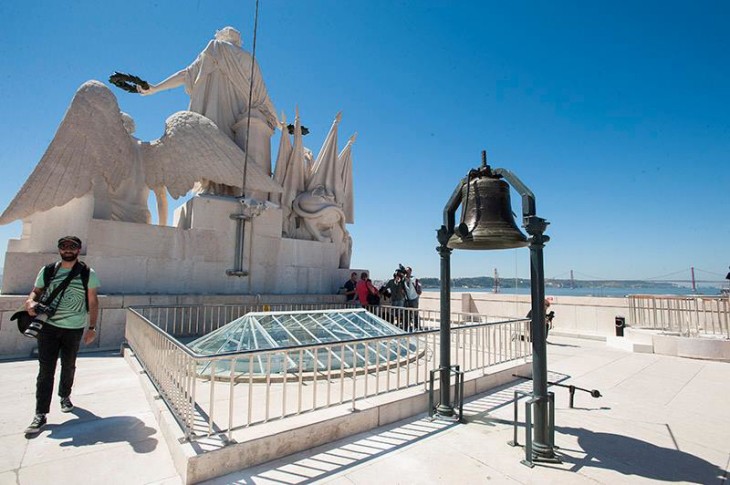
550 316
36 325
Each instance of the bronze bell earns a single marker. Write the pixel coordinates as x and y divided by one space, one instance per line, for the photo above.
487 220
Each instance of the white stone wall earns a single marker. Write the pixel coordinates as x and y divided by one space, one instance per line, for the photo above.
192 257
574 315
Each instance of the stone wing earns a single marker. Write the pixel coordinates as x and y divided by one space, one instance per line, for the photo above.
193 149
90 142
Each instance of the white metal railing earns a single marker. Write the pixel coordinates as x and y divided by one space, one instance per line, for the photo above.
685 315
198 320
415 318
210 395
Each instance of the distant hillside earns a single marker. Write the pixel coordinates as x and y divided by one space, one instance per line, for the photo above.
488 282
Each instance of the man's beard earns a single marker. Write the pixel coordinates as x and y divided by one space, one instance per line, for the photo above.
68 257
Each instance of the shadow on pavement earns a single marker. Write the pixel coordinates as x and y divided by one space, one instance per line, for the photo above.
560 345
90 429
318 463
630 456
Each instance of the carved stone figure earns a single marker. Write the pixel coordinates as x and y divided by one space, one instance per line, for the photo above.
290 173
95 178
317 197
128 201
219 82
324 219
344 164
92 150
334 172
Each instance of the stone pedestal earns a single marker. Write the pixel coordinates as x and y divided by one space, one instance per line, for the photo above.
191 258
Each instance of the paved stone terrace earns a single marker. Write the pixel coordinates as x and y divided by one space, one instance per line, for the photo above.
661 419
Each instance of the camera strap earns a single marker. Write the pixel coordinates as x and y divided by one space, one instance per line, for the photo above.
75 271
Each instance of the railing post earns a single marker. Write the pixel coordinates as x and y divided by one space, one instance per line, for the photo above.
515 419
528 434
212 397
430 393
551 418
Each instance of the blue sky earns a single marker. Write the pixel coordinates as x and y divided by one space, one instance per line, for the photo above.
615 114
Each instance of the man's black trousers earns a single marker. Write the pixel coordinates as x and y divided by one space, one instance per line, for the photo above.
52 343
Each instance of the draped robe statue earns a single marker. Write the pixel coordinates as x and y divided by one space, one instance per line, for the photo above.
218 83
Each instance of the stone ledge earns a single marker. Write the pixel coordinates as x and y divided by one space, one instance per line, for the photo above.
655 341
583 335
628 345
693 347
210 458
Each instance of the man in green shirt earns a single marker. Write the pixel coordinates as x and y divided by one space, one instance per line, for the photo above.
62 332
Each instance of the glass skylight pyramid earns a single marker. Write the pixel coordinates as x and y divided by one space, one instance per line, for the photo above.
275 330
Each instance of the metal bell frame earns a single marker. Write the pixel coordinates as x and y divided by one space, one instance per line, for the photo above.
542 447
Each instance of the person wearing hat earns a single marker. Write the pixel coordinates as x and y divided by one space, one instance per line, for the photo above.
397 290
413 293
62 332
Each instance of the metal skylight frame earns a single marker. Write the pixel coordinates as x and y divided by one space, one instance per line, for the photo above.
303 330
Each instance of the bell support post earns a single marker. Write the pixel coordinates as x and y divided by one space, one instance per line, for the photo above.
443 234
542 446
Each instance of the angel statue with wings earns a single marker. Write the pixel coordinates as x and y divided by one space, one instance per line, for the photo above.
94 152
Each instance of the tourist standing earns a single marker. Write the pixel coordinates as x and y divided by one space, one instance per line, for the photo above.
350 286
396 286
365 290
397 289
61 334
413 293
548 317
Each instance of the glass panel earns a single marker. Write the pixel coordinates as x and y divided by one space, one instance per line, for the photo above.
272 330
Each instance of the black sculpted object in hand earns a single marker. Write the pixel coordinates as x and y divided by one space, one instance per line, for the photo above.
128 82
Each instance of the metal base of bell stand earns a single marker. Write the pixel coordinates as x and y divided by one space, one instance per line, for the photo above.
595 393
451 411
233 272
535 454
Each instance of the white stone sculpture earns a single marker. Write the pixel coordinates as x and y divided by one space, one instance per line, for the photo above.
95 177
92 150
282 157
291 175
219 82
128 201
317 200
324 171
324 219
344 163
334 172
